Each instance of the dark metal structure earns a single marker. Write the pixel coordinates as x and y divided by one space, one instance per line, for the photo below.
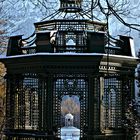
72 56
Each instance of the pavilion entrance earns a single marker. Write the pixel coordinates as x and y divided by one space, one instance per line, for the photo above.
70 89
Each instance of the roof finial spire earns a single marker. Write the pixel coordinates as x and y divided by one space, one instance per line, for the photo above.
70 6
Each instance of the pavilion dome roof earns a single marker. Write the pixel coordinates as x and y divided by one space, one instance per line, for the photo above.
69 116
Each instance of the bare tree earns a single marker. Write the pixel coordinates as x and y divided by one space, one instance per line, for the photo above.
70 106
3 36
97 9
2 99
120 11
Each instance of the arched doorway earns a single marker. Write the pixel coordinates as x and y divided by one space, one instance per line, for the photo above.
73 87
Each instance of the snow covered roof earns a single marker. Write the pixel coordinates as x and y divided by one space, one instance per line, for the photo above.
70 53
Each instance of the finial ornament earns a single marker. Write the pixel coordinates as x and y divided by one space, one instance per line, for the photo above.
70 6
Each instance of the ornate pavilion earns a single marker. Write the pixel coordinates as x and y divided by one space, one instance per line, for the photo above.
71 56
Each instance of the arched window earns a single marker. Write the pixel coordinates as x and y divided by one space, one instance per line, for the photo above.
112 103
70 42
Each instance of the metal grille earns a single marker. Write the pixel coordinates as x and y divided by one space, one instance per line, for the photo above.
23 100
70 85
71 41
112 102
34 103
96 104
57 105
70 25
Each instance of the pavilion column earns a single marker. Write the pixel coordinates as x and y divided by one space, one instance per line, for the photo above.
49 103
101 103
94 106
42 103
10 102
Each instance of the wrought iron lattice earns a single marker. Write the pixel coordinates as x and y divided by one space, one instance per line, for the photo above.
112 102
26 103
31 101
71 40
70 84
96 89
22 102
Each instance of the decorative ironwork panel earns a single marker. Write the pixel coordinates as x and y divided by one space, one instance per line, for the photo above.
96 104
70 25
22 102
112 102
57 106
71 41
84 106
70 85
